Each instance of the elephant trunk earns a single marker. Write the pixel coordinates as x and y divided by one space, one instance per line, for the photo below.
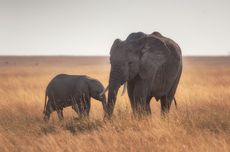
115 81
112 96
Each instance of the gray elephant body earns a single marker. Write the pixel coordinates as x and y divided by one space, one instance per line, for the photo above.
168 75
72 90
151 65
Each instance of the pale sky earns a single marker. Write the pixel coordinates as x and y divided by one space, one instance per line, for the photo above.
89 27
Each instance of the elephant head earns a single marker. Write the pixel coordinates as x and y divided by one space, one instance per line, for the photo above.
139 55
95 90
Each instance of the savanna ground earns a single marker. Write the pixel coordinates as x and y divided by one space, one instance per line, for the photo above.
201 122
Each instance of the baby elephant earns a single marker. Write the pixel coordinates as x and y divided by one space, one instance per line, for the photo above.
72 90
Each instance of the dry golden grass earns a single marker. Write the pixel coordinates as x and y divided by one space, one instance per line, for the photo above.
201 122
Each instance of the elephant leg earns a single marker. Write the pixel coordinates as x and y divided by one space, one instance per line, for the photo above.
48 110
130 88
165 105
140 97
172 92
140 103
75 108
148 108
75 104
60 114
82 107
88 105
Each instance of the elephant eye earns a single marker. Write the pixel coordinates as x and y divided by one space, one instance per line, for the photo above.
130 63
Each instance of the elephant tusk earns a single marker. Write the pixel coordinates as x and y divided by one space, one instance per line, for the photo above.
103 92
124 89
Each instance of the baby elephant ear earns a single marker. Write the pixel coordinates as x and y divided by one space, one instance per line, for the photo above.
154 54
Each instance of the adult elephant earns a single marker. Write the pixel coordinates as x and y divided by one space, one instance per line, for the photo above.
151 65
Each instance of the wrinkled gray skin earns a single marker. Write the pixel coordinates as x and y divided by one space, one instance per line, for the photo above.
72 90
151 65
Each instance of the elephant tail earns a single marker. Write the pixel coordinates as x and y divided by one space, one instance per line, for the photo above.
44 111
175 102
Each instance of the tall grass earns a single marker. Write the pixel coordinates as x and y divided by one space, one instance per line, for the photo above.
201 122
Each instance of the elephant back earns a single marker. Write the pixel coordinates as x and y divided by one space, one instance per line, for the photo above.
135 36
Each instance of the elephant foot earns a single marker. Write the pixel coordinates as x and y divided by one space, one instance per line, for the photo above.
141 111
141 114
107 117
46 118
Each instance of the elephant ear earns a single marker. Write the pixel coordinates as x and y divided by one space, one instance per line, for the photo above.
154 54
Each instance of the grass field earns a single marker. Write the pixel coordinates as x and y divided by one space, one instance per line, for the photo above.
201 122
